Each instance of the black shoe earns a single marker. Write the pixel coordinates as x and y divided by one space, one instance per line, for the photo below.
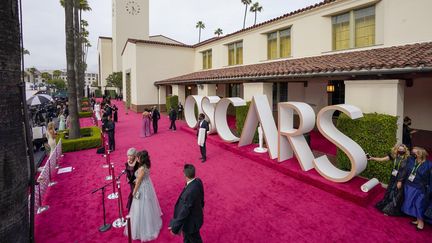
203 160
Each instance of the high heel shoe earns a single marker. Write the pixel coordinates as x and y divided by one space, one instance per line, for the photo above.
414 222
418 228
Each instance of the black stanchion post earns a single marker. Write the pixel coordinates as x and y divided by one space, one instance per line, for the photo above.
105 226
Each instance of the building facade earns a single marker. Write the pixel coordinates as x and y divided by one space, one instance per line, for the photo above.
374 54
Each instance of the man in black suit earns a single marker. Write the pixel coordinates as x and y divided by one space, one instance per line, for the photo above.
188 211
202 123
155 117
173 118
110 130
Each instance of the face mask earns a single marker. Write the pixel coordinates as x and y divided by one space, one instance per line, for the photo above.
414 155
401 152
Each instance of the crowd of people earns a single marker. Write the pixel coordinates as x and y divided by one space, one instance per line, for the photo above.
409 191
107 113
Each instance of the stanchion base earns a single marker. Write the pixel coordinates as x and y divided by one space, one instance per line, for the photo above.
105 166
260 150
104 155
42 209
104 227
52 183
113 195
108 178
118 223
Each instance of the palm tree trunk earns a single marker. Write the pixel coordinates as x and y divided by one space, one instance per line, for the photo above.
244 20
74 130
255 18
14 172
78 54
199 36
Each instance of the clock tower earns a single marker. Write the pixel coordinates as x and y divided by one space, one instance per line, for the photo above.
130 19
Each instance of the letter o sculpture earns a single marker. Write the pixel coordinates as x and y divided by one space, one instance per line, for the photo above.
221 118
208 106
190 117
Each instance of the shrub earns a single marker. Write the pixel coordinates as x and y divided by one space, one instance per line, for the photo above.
91 138
241 113
98 93
171 101
83 114
112 93
376 134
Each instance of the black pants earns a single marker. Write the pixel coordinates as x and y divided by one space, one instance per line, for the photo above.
173 126
192 238
180 115
155 126
203 151
111 141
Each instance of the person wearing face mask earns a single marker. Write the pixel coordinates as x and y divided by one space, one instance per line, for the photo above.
131 167
417 186
393 198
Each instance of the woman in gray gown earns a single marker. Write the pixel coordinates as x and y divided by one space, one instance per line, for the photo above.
145 213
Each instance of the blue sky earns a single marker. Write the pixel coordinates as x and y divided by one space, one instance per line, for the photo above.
43 24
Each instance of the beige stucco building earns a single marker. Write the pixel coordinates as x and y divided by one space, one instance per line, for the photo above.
375 54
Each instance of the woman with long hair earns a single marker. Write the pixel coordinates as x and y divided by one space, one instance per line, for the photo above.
146 124
417 186
145 213
51 136
131 167
393 198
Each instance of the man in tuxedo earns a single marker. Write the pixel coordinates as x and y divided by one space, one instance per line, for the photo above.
155 117
202 123
110 130
173 118
188 211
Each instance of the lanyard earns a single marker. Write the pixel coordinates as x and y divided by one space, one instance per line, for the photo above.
413 172
397 162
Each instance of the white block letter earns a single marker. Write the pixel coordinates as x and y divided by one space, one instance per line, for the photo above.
189 111
208 106
220 118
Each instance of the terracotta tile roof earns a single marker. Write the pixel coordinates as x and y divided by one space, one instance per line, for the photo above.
290 14
380 60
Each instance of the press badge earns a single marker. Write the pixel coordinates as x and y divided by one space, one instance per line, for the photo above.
394 172
411 177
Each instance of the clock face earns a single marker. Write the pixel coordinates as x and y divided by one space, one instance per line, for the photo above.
133 8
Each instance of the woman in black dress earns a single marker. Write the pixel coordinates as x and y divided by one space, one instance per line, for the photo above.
131 167
393 198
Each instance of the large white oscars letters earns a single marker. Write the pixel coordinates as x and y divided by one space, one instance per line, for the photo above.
286 141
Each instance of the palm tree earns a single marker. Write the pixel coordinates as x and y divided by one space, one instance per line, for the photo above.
256 8
246 3
200 25
15 224
218 32
57 74
74 130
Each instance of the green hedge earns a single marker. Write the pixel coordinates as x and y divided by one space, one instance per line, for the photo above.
83 114
241 113
112 94
98 93
376 134
171 101
91 138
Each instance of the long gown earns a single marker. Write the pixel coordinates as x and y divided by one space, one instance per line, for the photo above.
428 213
146 125
97 112
393 198
62 123
51 142
145 213
415 191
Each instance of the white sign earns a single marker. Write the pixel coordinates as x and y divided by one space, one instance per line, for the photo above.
285 141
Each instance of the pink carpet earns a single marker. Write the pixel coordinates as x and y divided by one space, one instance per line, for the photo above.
246 201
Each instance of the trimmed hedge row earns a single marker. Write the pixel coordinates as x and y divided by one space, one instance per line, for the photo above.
376 134
171 101
91 138
241 113
98 93
112 94
83 114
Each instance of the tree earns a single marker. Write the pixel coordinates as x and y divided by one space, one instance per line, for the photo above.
57 74
33 71
58 83
255 8
115 80
246 3
74 130
200 25
46 76
218 32
15 224
25 51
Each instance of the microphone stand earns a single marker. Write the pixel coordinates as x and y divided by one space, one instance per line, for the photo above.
105 226
120 222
